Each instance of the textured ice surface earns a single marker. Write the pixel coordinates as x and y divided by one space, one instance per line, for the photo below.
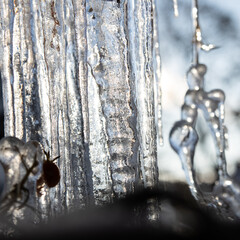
83 79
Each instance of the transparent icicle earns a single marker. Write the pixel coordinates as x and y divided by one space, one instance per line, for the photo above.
108 78
145 76
139 23
175 7
183 136
157 77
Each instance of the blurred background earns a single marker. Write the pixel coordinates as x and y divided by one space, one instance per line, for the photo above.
219 22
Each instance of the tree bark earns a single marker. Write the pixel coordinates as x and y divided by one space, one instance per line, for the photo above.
80 77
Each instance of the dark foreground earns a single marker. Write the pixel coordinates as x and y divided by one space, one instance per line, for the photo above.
180 217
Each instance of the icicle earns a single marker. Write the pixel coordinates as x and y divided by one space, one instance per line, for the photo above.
175 8
183 139
197 34
183 136
157 76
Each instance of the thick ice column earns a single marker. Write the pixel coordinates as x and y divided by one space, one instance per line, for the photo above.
41 89
78 76
110 94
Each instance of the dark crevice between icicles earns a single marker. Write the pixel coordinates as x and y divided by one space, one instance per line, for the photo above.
1 111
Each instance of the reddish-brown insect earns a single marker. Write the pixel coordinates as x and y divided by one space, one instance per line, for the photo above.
50 174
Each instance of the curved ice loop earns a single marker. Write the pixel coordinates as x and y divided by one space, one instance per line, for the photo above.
183 139
20 163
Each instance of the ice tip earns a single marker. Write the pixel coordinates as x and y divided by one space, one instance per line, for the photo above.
208 47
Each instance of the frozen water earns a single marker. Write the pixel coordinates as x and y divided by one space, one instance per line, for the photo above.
175 7
196 76
183 139
16 158
157 77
